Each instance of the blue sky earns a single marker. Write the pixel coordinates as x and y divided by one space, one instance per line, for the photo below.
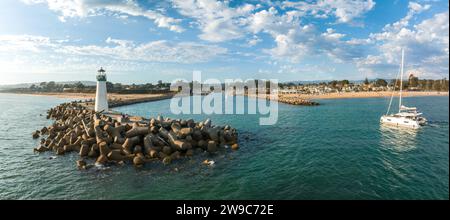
143 41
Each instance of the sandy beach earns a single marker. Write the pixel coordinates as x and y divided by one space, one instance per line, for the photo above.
313 99
362 95
155 97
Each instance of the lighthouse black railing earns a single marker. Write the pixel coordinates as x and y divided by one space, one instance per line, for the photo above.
101 77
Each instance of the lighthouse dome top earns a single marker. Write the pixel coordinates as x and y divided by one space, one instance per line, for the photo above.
101 74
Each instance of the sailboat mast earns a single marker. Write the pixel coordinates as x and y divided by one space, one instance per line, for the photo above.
401 81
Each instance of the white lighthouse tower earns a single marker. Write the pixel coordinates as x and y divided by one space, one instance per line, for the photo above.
101 98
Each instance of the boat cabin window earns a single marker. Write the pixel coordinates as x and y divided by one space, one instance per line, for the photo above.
406 121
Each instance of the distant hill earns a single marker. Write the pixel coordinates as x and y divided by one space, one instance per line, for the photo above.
322 81
27 85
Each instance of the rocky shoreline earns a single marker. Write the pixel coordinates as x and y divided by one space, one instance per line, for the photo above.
291 100
296 101
110 140
117 102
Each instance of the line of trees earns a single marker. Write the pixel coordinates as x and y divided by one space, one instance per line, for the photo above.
422 85
136 88
56 87
413 83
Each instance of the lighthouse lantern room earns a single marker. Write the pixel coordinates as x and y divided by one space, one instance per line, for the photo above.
101 98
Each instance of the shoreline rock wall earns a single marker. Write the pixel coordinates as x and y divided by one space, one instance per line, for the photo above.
103 138
296 101
287 100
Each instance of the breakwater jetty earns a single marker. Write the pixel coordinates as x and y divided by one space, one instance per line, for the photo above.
117 100
292 100
111 139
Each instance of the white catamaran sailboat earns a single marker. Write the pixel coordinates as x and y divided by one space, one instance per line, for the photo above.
406 116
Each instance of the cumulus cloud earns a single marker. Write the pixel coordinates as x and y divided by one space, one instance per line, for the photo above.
288 48
27 57
30 43
293 40
414 8
254 40
285 30
426 45
217 21
288 28
154 51
84 8
344 10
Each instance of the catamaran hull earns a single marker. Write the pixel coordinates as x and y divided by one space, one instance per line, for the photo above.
400 122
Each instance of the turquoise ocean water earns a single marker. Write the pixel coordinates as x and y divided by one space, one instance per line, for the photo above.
334 151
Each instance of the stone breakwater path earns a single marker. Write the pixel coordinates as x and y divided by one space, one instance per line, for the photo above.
296 101
291 100
109 139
